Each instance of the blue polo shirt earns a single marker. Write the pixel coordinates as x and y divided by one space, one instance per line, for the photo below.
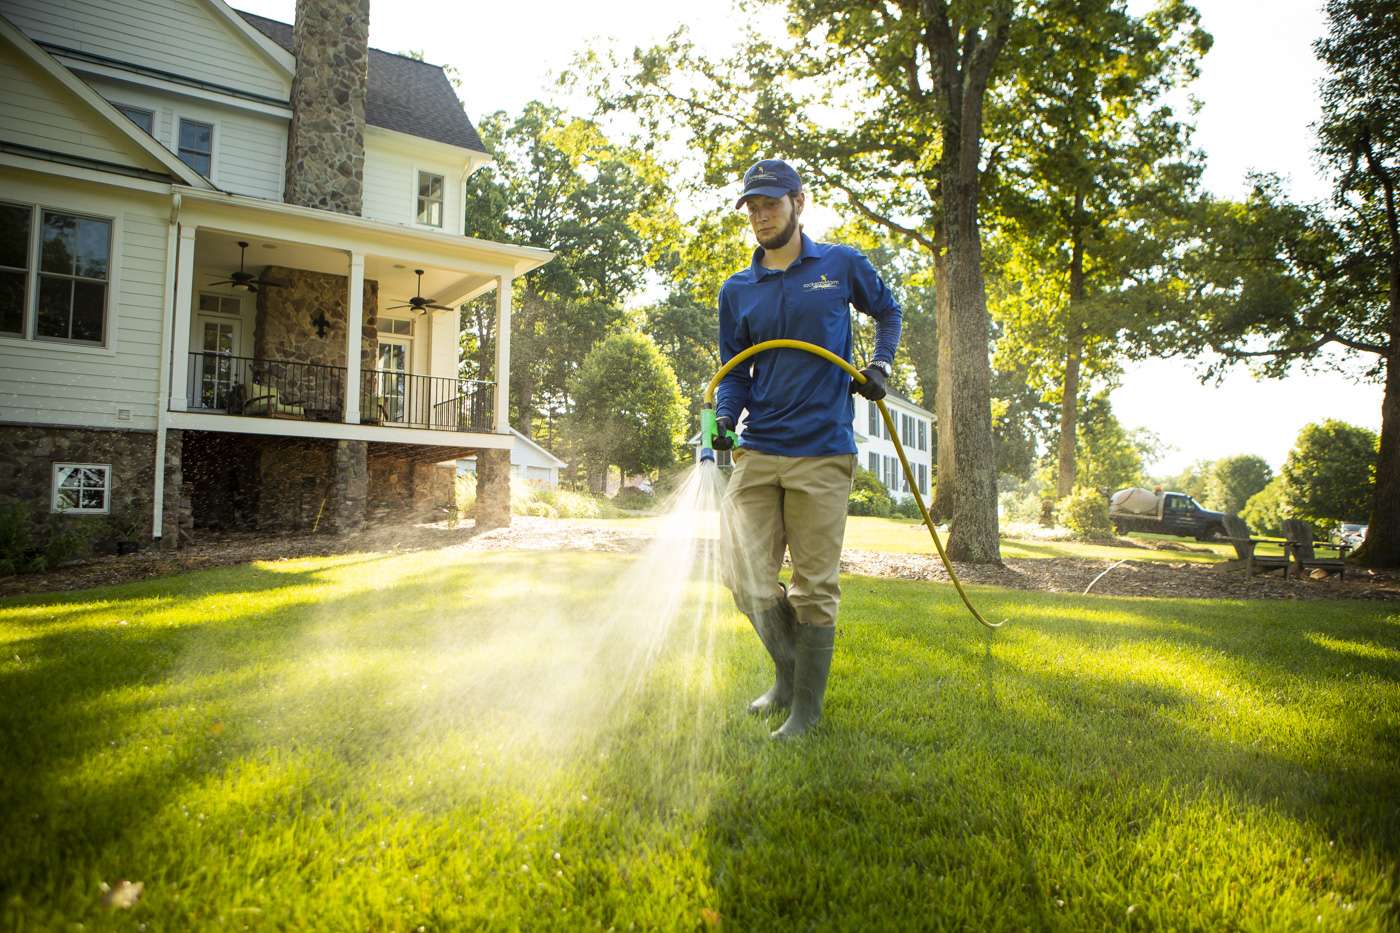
799 405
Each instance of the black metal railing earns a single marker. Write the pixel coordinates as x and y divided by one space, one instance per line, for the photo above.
441 404
243 385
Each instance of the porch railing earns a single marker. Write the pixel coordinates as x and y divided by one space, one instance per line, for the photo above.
240 385
441 404
245 385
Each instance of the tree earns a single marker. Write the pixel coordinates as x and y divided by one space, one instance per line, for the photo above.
1094 182
627 407
1194 480
1278 281
1330 474
1266 509
1234 480
905 152
557 183
1110 456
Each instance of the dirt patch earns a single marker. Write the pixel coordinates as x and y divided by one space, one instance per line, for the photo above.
1054 575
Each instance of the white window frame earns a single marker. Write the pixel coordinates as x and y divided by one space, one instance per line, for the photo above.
442 210
123 108
106 489
215 131
28 271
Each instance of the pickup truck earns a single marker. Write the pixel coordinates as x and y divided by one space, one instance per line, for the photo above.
1167 513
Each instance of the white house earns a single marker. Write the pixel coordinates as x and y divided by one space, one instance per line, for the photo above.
229 259
874 449
529 463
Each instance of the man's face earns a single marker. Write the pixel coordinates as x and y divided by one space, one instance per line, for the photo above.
774 220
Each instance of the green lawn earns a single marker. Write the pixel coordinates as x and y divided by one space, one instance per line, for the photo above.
443 740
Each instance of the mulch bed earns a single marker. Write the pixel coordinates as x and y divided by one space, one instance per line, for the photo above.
1055 575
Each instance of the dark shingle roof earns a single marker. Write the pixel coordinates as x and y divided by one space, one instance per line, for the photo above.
404 94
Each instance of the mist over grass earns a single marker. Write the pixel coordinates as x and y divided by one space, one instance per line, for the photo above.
557 740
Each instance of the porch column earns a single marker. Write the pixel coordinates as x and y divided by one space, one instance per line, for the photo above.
184 311
502 402
354 336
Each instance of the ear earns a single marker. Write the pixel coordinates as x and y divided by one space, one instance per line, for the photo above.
799 201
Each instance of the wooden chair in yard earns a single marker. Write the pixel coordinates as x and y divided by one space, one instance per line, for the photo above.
1300 534
1245 546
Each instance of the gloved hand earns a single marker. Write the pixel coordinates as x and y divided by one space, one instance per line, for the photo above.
873 387
722 440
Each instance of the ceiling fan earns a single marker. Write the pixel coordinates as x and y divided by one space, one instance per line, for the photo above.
247 280
418 302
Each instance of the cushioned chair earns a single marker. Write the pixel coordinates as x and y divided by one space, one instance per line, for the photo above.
263 400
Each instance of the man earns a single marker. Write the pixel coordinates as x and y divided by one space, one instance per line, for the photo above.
792 476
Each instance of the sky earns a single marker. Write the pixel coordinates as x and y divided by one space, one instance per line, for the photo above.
1258 90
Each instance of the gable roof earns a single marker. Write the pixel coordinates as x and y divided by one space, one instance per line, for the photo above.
522 439
108 117
404 94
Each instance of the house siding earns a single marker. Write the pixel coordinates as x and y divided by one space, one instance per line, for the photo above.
51 383
250 149
183 37
37 111
391 186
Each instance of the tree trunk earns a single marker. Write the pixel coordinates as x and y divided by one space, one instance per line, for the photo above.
524 392
1382 546
973 535
943 397
1074 354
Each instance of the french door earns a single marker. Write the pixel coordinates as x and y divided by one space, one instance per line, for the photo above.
393 378
218 341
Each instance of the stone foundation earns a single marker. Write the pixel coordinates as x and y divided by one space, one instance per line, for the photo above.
349 486
403 488
27 456
492 489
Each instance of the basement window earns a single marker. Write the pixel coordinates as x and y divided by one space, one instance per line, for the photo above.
197 145
430 199
82 488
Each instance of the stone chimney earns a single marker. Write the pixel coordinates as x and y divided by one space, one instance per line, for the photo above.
326 145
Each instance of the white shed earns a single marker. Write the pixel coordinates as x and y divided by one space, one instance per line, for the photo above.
528 462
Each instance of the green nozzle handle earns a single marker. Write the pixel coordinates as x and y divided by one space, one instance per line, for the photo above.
709 429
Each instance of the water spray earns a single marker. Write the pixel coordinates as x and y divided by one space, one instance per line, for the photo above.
708 431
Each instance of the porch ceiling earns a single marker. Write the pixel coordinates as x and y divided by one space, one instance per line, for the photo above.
218 251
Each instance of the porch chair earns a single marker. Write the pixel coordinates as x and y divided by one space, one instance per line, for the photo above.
1245 545
1300 534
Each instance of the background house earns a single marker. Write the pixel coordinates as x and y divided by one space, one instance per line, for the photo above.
231 267
529 463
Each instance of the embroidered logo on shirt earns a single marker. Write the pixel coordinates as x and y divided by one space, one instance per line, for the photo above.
822 284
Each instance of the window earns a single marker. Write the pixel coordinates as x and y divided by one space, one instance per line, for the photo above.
873 421
142 117
923 477
82 487
220 304
923 434
874 460
14 266
398 328
74 261
196 147
430 199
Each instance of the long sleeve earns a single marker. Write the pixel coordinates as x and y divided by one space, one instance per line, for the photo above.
732 397
870 296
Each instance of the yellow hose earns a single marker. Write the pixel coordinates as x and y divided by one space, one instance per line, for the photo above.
855 374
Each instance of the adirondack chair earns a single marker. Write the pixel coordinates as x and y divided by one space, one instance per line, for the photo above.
1300 534
1245 545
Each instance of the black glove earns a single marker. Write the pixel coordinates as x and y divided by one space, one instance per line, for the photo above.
722 440
873 387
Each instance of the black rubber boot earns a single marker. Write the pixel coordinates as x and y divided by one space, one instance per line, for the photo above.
777 629
815 645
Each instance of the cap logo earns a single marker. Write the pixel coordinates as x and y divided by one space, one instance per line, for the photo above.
762 175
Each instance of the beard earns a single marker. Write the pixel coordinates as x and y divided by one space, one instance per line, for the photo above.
779 239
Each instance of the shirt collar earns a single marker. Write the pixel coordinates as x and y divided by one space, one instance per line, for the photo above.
808 251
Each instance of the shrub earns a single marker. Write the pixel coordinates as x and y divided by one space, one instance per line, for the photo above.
1266 509
569 504
58 541
1085 513
634 500
15 538
907 508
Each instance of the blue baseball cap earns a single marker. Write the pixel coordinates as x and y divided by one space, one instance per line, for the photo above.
771 178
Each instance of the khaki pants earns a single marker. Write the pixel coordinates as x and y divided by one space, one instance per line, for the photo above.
796 504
